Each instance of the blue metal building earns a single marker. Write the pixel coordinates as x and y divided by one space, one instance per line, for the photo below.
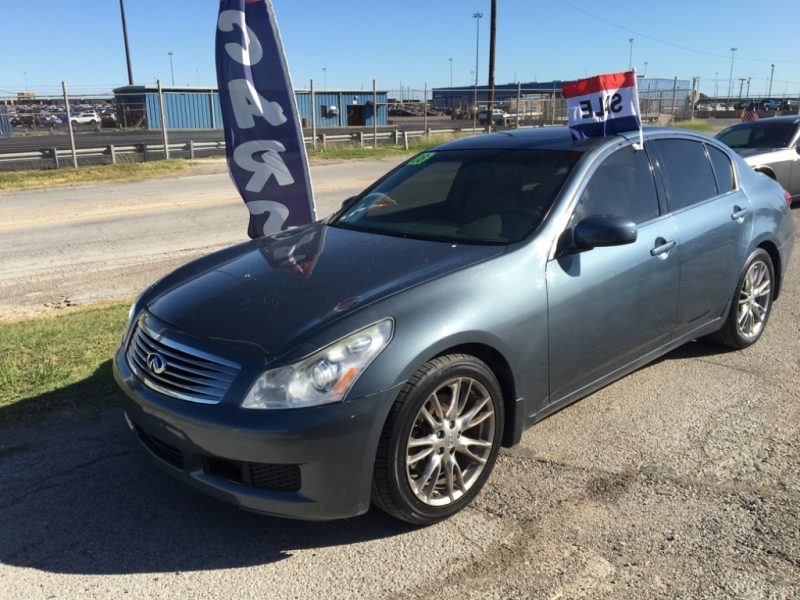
199 108
649 88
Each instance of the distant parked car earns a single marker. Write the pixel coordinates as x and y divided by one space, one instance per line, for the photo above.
82 118
46 120
499 116
770 105
770 146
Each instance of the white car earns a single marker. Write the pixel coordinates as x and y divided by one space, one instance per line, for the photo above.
82 118
499 116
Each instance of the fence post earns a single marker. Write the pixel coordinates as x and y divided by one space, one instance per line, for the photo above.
396 137
313 102
163 120
674 95
324 143
405 140
55 157
360 139
144 152
69 124
191 149
425 109
374 115
113 152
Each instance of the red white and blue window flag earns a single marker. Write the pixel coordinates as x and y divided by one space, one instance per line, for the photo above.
751 114
603 105
264 140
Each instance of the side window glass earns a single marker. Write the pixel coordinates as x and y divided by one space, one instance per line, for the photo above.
722 169
687 172
622 185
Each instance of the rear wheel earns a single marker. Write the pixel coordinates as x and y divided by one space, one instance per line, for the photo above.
440 442
751 305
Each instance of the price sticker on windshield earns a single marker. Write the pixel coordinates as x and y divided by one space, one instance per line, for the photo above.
424 157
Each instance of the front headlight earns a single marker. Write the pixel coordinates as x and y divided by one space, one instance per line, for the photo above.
324 377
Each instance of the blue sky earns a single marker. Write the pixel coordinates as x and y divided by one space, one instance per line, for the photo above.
348 43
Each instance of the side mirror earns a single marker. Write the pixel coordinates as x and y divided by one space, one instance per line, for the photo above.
348 201
600 231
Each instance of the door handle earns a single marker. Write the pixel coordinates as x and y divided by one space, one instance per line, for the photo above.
739 213
663 247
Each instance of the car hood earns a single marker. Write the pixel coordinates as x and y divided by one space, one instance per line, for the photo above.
265 296
761 153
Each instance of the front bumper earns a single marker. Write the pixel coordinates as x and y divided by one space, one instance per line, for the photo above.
313 463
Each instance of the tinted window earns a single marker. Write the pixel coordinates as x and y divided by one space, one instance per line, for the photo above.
767 133
722 169
494 196
622 185
687 173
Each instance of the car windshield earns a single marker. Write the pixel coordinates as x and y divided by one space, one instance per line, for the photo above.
765 133
464 196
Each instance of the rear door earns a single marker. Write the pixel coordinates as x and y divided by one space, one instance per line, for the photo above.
714 220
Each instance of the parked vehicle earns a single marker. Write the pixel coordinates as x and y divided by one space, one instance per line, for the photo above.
82 118
770 146
387 352
499 116
770 104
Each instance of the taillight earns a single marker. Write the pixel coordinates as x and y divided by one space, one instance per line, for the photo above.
788 197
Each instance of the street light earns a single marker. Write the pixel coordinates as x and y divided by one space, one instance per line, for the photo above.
171 71
630 57
730 79
771 73
645 69
716 86
451 72
477 16
324 78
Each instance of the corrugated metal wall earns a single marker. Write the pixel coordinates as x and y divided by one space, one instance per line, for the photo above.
200 108
5 125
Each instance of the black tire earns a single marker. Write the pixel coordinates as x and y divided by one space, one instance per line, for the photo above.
751 304
445 472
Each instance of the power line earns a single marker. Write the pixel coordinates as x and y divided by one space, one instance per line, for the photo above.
649 37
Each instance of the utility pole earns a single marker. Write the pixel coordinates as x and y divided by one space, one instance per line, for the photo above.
771 73
741 85
125 35
492 43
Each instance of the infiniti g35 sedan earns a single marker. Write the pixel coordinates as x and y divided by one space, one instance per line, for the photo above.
384 354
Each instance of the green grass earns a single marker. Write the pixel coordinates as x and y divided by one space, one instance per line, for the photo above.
349 151
20 180
698 125
59 363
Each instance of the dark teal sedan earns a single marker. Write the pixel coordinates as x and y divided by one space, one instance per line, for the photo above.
385 354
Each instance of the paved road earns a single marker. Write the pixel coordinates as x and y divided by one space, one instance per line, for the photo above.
679 481
72 245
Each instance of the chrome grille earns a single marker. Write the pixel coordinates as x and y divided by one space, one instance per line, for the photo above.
187 374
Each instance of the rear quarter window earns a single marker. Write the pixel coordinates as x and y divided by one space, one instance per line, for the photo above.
723 170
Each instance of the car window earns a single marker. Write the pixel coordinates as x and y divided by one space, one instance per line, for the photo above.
723 170
622 185
481 196
765 133
687 173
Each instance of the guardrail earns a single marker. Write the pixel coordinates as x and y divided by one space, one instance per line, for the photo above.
56 158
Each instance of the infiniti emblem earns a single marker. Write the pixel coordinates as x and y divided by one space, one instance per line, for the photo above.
156 363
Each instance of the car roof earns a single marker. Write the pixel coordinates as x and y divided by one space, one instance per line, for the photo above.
781 119
553 138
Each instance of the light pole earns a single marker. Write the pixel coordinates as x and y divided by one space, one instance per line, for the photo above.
730 79
324 78
171 71
645 69
451 72
716 85
477 16
630 57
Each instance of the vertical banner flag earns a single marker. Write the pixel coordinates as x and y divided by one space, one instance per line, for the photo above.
603 105
265 149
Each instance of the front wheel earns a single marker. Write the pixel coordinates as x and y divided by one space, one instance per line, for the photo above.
751 305
440 442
